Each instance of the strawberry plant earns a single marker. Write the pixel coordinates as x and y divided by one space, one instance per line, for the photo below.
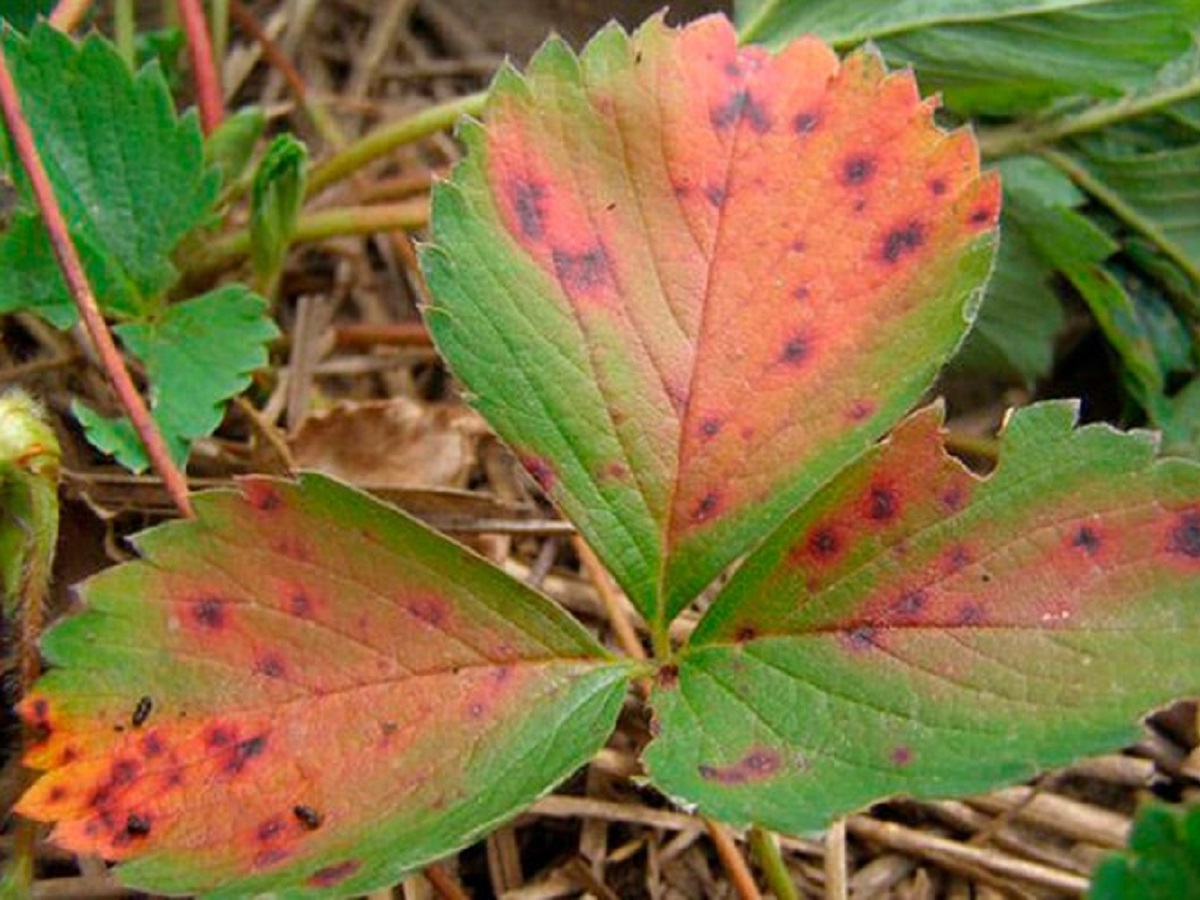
697 287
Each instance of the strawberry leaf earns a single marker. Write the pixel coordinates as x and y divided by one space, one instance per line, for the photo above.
304 691
197 354
918 630
129 193
688 282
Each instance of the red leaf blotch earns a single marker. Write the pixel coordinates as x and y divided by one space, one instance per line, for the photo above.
757 765
1185 535
331 875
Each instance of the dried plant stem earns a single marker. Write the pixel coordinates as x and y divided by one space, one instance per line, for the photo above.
766 850
731 858
836 887
68 14
85 300
623 629
444 883
204 70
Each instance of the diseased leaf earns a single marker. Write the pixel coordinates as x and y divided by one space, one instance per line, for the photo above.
1163 860
129 193
689 282
995 56
304 691
918 630
198 354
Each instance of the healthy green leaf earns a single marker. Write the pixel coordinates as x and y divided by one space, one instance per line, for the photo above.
275 202
198 354
130 191
689 282
229 147
995 56
1163 860
306 692
918 630
21 14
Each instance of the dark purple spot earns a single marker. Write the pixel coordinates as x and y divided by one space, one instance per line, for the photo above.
243 752
706 507
174 778
308 817
795 351
41 710
910 602
209 613
300 604
582 272
801 292
733 70
754 766
741 107
269 857
857 169
981 215
710 427
952 498
958 558
862 637
882 504
57 794
715 194
824 543
124 771
970 613
152 745
859 205
1185 536
745 633
903 240
667 677
331 875
937 187
797 246
540 471
141 712
69 755
901 756
101 798
429 610
805 123
1087 540
526 199
859 410
137 826
270 665
219 736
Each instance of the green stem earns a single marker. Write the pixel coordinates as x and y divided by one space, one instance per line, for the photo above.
327 223
770 860
1123 211
386 139
1009 140
124 27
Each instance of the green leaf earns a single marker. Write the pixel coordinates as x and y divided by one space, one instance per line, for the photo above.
689 282
128 172
198 354
1163 860
229 147
21 14
918 630
995 56
304 691
275 202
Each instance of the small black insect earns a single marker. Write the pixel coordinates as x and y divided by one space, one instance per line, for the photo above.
309 817
142 712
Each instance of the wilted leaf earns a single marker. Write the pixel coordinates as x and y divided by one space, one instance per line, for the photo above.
304 691
918 630
689 282
995 56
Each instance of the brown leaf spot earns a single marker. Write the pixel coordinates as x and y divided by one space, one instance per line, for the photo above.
757 765
1086 539
307 816
141 712
1185 535
741 107
902 240
805 122
331 875
209 613
857 169
581 272
745 632
667 677
526 198
882 504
